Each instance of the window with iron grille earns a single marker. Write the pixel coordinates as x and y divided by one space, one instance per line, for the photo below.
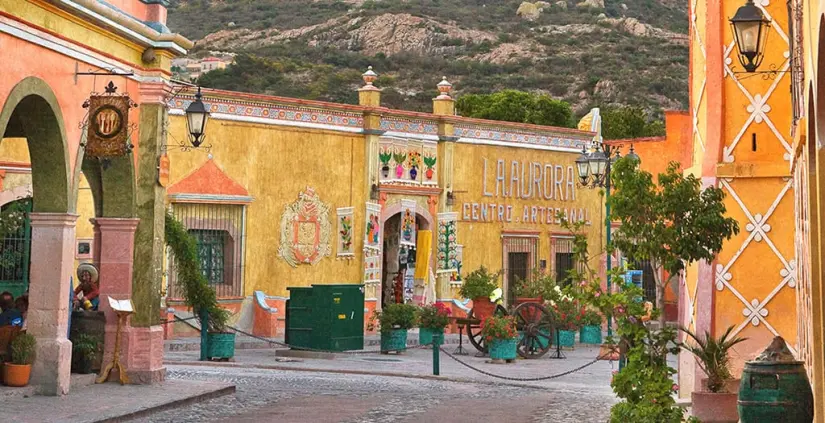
211 254
218 230
563 259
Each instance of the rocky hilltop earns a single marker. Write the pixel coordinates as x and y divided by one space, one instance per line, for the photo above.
586 52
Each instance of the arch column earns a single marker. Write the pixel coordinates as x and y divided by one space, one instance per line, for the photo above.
52 262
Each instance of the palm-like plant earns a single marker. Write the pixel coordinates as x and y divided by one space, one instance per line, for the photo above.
712 355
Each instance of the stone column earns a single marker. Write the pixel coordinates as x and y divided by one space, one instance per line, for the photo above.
370 96
444 107
146 363
52 263
116 238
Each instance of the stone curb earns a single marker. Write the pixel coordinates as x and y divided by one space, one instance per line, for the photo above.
351 372
170 405
194 345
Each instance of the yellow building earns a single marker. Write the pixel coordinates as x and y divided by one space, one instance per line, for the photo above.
294 192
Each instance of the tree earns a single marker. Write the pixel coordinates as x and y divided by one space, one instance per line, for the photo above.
670 225
516 106
629 122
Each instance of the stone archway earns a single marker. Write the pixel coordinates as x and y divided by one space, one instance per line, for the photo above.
31 111
390 222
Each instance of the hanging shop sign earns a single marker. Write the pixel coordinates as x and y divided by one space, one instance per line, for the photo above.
305 230
107 133
447 243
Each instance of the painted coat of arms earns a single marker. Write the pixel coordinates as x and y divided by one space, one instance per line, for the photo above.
305 230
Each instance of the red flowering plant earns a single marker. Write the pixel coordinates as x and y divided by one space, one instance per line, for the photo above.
569 313
499 328
435 316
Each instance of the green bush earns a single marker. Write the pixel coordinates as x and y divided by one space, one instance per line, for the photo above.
23 349
196 290
479 283
397 316
86 345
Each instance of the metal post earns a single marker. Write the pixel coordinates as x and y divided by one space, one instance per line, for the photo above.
436 363
608 225
204 333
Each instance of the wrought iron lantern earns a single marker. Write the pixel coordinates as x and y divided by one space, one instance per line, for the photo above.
750 32
196 118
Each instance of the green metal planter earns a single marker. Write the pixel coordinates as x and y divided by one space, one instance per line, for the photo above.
590 334
503 349
425 335
775 392
567 338
394 340
220 345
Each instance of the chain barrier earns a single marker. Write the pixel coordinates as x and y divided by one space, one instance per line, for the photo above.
421 346
177 319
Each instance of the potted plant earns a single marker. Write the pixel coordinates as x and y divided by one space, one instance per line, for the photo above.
85 350
479 286
717 403
385 163
591 329
220 343
415 163
394 321
18 371
535 289
432 320
399 159
501 336
568 320
430 163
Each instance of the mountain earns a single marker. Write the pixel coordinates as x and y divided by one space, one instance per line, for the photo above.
589 53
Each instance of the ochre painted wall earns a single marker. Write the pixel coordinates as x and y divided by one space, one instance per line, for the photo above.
275 164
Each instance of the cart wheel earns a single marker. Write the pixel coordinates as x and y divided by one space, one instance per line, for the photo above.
536 325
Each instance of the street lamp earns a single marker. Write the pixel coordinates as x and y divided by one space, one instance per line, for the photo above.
594 171
196 119
750 33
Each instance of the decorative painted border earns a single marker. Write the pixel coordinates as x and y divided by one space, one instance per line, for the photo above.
273 112
206 198
482 134
409 126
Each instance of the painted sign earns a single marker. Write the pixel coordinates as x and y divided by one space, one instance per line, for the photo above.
107 133
305 230
447 258
408 223
345 232
553 187
372 244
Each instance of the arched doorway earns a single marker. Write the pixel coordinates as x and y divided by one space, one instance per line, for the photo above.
399 261
31 111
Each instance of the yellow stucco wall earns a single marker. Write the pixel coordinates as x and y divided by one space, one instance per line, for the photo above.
482 239
275 164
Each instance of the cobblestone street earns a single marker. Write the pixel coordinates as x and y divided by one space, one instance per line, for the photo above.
286 396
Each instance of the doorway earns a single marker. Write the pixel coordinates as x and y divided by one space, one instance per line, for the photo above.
517 271
399 262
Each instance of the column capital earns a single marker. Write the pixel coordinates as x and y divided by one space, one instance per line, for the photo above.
154 92
53 219
107 224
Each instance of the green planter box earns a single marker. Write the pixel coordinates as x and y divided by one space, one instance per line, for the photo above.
220 345
567 338
503 349
425 335
394 340
590 335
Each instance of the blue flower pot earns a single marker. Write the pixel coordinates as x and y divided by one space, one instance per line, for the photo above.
567 338
591 334
394 340
503 349
425 336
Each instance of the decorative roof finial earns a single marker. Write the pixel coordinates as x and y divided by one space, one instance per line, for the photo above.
444 88
369 77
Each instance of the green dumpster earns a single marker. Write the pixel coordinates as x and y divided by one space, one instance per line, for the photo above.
326 317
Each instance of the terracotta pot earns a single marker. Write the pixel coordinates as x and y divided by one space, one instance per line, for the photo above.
711 407
731 386
16 375
483 308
